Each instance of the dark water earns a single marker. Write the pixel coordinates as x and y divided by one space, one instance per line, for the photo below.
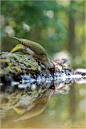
65 109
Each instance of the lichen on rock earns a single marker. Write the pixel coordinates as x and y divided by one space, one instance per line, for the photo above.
16 64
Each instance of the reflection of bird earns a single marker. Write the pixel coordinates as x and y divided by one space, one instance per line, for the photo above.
36 107
62 76
36 50
80 76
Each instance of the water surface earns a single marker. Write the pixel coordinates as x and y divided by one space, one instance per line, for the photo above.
66 108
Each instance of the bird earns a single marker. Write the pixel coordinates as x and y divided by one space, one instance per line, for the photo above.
36 107
36 50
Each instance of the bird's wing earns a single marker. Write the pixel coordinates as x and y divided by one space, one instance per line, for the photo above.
35 47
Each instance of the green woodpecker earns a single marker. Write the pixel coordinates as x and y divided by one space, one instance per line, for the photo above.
36 50
36 107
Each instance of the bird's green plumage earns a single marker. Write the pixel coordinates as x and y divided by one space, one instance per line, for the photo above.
37 48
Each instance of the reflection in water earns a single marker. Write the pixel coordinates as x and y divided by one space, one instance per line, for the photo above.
30 95
36 107
80 76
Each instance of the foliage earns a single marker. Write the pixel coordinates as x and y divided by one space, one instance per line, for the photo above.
45 22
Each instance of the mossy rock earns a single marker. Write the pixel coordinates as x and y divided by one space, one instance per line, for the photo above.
15 64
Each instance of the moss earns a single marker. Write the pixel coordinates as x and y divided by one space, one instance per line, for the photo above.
17 69
8 69
16 64
10 64
2 72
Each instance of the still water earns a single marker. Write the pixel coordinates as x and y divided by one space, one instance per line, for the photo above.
30 102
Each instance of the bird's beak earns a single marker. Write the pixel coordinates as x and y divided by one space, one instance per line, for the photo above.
18 40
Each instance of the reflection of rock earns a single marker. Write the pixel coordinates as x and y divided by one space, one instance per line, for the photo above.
63 74
29 90
63 85
29 93
61 88
63 66
80 76
12 95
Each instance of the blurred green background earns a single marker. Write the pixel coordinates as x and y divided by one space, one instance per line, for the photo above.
57 26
